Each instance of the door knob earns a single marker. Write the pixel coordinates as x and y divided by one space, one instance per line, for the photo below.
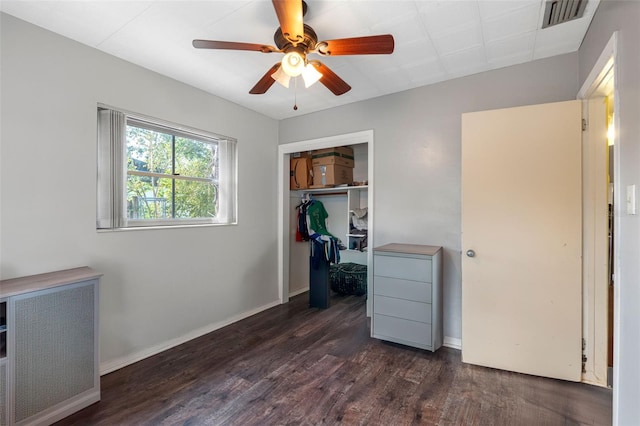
471 253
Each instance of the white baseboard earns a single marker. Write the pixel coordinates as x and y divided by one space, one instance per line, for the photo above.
452 342
63 409
297 292
118 363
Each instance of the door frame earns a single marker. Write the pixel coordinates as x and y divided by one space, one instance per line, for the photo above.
596 85
284 151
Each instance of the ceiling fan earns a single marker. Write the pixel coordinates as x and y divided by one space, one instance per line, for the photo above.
297 40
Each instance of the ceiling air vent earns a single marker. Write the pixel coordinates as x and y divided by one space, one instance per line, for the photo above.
559 11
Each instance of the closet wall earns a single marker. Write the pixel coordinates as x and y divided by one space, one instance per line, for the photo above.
337 208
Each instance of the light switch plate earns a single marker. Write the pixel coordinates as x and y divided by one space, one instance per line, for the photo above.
631 199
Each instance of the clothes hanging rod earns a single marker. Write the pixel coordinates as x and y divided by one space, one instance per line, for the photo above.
324 194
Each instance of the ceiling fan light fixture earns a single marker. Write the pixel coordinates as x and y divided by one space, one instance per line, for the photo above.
293 64
310 75
281 77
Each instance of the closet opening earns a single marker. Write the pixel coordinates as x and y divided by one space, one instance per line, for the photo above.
349 209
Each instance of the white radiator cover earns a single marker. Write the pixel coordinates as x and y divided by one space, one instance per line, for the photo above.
54 347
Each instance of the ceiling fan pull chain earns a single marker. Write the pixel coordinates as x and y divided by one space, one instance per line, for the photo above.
295 93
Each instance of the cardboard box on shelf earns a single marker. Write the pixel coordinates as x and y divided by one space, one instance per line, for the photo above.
300 173
301 154
331 175
340 156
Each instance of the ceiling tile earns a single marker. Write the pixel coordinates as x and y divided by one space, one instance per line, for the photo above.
254 22
519 48
443 16
88 22
341 21
519 21
425 72
421 48
404 28
384 13
490 9
461 38
465 61
169 22
562 38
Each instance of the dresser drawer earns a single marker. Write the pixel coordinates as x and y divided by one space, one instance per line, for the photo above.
406 268
400 308
402 330
403 289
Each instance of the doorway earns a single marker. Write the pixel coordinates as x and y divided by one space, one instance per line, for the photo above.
601 194
284 213
597 254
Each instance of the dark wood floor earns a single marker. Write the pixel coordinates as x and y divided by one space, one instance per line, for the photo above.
301 366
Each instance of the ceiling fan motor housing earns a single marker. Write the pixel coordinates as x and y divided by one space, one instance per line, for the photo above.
308 42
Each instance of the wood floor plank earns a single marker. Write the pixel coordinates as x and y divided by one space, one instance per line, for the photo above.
295 365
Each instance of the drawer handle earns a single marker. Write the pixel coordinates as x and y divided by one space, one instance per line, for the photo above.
471 253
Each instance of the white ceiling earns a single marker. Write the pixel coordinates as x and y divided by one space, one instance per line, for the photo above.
434 41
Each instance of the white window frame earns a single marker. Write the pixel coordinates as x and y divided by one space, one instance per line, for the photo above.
112 171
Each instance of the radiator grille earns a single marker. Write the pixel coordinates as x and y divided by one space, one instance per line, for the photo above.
54 348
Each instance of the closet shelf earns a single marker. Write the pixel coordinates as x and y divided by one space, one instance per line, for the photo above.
331 190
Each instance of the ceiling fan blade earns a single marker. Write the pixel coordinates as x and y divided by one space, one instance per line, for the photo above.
265 82
232 45
290 17
369 45
330 79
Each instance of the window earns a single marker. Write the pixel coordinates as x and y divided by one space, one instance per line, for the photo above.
152 173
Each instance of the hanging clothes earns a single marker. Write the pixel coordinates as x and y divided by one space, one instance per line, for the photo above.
299 237
324 246
302 233
302 230
317 218
324 250
333 253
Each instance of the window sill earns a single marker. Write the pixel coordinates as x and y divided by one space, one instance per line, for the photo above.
162 227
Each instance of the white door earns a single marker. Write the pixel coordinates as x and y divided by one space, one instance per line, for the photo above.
521 239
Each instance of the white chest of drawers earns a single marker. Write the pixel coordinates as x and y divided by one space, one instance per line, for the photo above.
407 295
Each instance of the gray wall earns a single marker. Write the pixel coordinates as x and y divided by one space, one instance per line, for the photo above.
159 286
417 152
50 88
624 16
